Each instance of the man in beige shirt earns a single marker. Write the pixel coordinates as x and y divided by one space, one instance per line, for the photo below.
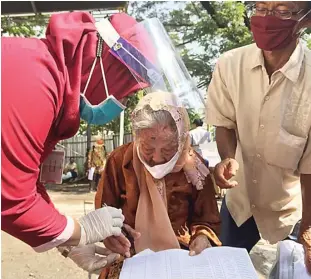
260 101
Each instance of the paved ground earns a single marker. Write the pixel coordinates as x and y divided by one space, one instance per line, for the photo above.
21 262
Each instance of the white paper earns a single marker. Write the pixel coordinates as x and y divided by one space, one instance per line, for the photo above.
144 253
91 173
52 168
107 32
212 263
291 264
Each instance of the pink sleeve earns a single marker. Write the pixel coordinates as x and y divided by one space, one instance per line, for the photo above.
30 101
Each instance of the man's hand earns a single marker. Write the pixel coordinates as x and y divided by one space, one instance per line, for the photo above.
91 258
200 243
120 244
305 240
224 171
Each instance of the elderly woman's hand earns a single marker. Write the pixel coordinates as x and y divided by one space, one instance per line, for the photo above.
92 258
120 244
200 243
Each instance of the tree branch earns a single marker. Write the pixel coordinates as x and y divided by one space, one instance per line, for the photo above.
212 12
245 16
196 10
203 84
247 21
186 42
178 25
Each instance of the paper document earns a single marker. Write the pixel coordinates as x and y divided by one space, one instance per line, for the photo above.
212 263
290 262
91 173
52 167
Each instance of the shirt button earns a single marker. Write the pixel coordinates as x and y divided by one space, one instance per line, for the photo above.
253 206
262 126
267 98
258 156
255 181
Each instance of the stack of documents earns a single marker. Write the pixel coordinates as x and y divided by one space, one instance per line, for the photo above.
212 263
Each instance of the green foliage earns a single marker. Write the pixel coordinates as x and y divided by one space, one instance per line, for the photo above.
27 26
307 38
200 35
193 115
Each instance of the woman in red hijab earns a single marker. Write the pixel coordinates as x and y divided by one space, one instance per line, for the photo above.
41 85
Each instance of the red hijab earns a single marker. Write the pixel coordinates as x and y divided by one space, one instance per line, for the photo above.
72 40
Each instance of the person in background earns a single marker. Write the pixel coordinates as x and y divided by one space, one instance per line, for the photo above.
70 170
199 136
97 160
259 100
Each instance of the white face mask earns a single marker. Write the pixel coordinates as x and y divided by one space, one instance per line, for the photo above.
159 171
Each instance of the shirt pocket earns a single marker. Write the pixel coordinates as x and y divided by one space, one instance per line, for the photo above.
285 151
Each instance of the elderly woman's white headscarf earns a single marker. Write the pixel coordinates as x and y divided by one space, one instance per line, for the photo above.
152 219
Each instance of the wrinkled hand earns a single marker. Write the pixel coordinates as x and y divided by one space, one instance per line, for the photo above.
224 171
100 224
92 258
120 244
200 243
305 240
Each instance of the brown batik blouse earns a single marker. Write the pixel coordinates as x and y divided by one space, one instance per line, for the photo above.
192 212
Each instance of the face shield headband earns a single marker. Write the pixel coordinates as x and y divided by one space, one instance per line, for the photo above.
129 55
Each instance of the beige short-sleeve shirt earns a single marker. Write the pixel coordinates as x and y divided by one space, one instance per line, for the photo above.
273 124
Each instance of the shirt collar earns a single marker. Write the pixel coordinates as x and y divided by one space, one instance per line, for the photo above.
257 58
292 67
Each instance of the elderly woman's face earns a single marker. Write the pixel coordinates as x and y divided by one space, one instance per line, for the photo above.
157 145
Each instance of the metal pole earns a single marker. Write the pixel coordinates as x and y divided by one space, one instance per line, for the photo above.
88 137
121 139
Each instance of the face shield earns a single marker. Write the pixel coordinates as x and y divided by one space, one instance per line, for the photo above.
161 67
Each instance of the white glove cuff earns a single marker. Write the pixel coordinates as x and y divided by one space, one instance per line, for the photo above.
62 238
83 238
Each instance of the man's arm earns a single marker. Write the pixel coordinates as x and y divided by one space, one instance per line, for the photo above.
305 180
65 169
75 167
221 113
305 229
226 142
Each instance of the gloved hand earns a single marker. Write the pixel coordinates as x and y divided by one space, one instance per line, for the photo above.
100 224
91 258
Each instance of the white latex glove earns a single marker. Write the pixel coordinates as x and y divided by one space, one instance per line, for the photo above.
91 258
100 224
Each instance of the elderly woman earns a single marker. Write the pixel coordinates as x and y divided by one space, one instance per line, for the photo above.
163 187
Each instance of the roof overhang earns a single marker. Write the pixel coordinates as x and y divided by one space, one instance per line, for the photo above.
42 7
